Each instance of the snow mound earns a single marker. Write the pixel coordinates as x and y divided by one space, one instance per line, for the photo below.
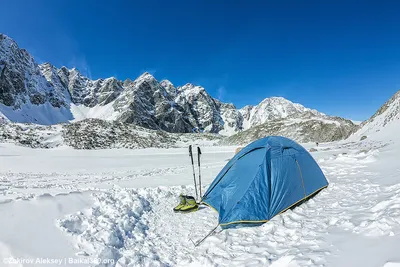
112 224
138 228
392 264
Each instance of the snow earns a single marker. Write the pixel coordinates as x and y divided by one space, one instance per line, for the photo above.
116 206
356 122
392 264
323 120
62 169
383 125
44 114
28 231
106 112
274 108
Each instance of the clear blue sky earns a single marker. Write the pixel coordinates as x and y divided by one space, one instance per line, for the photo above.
340 57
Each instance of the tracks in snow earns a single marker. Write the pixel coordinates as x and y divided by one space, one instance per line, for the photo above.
14 186
138 228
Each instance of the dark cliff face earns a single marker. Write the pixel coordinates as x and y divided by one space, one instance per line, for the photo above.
20 78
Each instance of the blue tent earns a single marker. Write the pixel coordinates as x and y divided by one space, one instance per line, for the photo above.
264 179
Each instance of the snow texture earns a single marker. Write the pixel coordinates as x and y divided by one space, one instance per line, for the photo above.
113 204
132 222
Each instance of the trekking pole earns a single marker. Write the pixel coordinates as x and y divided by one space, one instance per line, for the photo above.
194 174
198 161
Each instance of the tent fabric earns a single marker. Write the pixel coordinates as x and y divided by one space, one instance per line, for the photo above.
264 179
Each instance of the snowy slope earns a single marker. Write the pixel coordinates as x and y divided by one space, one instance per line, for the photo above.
44 114
82 112
384 124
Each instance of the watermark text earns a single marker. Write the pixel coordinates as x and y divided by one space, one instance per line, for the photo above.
56 261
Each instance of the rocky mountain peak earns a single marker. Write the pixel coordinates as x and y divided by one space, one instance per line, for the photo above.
169 87
6 44
21 81
192 90
187 85
145 77
64 69
46 65
74 73
274 108
166 83
127 82
45 94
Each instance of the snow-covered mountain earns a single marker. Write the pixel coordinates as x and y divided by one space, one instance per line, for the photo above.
25 93
44 94
384 124
279 116
275 108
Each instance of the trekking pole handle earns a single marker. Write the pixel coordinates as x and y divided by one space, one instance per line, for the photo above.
198 155
190 153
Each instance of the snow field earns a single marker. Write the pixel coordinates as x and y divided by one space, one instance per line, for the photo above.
117 205
137 227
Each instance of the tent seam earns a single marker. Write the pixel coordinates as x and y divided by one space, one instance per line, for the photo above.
208 192
301 176
254 178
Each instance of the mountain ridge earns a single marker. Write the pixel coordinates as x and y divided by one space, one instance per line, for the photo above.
44 94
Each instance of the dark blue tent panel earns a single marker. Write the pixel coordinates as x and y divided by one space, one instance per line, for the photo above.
264 179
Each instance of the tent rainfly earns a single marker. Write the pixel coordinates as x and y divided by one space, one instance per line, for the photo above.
264 179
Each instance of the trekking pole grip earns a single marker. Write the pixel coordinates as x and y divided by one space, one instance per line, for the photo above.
198 155
190 154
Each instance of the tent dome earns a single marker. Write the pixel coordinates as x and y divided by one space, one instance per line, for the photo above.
264 179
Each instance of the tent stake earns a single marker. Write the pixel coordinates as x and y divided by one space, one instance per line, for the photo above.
210 233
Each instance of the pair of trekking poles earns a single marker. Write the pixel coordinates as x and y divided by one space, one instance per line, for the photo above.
189 203
194 173
195 188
